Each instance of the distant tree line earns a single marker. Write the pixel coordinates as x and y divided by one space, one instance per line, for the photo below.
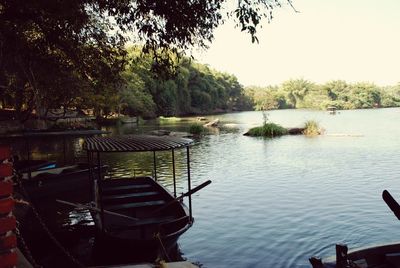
190 88
194 88
301 93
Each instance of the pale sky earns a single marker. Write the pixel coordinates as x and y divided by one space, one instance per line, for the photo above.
352 40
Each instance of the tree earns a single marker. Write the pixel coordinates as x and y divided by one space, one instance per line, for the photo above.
365 95
296 90
134 99
53 52
336 88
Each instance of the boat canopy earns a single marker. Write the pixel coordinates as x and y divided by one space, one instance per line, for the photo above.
135 143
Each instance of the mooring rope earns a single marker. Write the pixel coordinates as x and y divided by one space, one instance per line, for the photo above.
45 228
27 253
157 235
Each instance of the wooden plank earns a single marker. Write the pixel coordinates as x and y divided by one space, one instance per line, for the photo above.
123 196
107 188
135 205
141 222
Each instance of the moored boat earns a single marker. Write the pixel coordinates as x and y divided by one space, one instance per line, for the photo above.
331 109
43 179
32 165
59 183
139 213
378 256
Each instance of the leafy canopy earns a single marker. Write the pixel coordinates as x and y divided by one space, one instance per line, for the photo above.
54 52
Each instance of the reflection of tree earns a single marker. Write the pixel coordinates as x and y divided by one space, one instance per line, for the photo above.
48 148
141 164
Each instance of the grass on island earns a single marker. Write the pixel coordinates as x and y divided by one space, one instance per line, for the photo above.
311 128
196 129
268 130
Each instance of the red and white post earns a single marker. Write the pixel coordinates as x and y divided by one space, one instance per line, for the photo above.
8 223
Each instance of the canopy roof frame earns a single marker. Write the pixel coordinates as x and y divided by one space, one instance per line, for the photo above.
138 143
134 143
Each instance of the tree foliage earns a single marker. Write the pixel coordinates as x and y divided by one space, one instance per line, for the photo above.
300 93
51 52
195 89
56 53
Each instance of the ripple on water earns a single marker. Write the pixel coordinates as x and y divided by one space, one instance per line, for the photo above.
276 202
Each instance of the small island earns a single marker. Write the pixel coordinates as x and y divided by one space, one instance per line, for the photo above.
271 130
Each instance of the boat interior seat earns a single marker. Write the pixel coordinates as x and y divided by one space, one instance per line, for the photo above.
134 205
130 224
118 188
70 169
129 195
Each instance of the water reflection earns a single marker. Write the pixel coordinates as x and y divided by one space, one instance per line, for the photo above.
62 150
276 202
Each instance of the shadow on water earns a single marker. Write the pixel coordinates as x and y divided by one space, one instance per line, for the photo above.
70 240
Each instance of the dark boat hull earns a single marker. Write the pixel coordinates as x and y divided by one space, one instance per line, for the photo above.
386 255
32 165
137 250
72 181
151 235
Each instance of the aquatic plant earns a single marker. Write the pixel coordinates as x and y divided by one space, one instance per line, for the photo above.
268 130
265 117
311 128
196 129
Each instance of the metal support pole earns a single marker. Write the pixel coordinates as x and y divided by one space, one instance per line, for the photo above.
155 165
98 166
64 151
91 176
28 158
100 191
189 182
173 171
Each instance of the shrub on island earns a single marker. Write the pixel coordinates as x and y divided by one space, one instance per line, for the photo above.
267 130
196 129
270 130
312 128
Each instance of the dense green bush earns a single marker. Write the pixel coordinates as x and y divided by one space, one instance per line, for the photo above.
311 128
196 129
268 130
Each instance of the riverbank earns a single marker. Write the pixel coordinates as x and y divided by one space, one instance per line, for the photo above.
15 126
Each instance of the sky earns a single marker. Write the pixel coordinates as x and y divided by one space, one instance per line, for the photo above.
351 40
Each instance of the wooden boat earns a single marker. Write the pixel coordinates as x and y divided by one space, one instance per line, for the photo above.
44 179
62 182
32 165
379 256
156 219
331 109
139 214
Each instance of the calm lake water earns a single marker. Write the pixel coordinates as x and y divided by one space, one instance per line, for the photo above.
276 202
